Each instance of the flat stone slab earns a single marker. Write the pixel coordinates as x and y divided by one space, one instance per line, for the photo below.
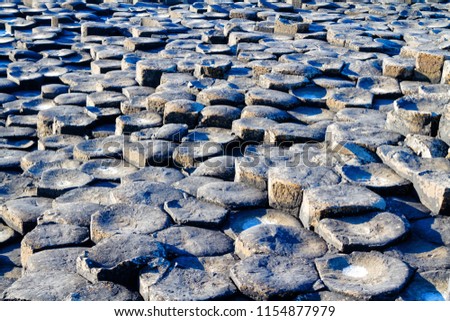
119 258
107 169
434 229
364 275
240 221
286 184
7 234
264 277
50 236
406 164
433 188
55 182
379 178
22 214
279 240
232 195
190 211
94 195
421 255
183 283
196 241
191 184
363 233
428 286
151 193
154 174
337 201
127 219
63 259
102 291
44 286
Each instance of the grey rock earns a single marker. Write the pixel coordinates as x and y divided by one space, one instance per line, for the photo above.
421 255
154 174
147 193
337 200
264 277
426 146
102 291
193 212
94 195
240 221
119 258
62 260
232 195
76 213
55 182
50 236
428 286
127 219
189 240
220 167
191 184
22 214
380 178
435 230
363 233
433 188
364 275
286 184
279 240
43 286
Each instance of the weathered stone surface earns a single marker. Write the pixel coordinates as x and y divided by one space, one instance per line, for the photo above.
435 230
184 282
7 234
95 195
349 97
102 291
426 146
189 240
240 221
127 219
363 233
44 286
421 255
191 184
55 182
232 195
154 174
151 193
433 188
119 258
338 200
193 212
220 167
377 177
286 184
364 275
263 277
63 259
50 236
406 164
22 214
280 240
428 286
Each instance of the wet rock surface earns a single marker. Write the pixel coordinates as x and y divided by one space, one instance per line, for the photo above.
182 150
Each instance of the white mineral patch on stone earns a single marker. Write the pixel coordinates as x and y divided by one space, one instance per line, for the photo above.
355 271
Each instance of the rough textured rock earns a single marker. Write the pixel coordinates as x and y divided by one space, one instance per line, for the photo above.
280 240
50 236
189 240
338 200
119 258
193 212
127 219
363 233
263 277
364 275
232 195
